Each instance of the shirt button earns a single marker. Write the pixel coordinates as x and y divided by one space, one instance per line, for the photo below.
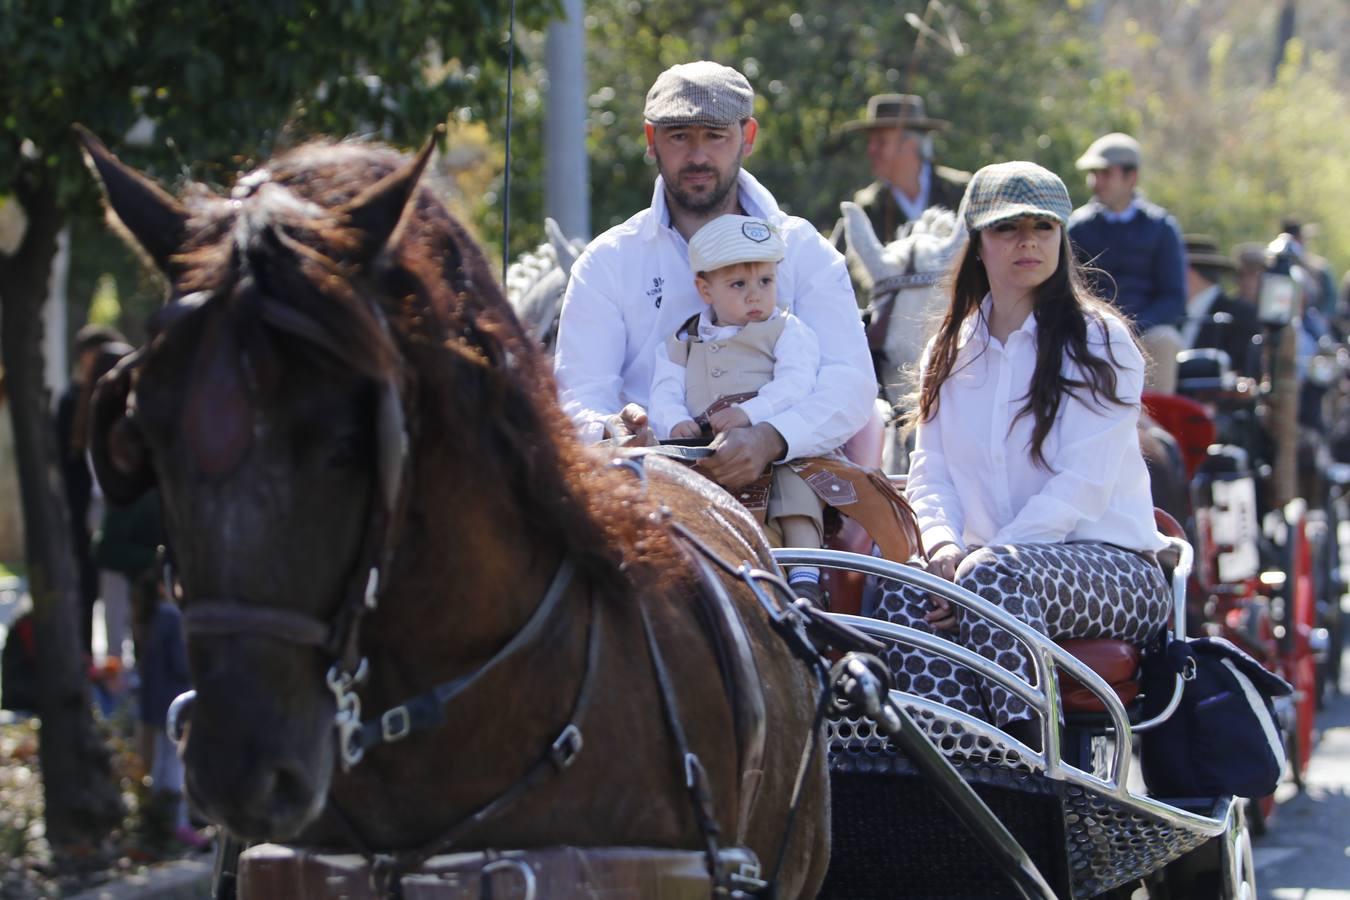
716 373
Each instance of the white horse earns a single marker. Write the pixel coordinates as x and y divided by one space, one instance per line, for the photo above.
536 282
906 299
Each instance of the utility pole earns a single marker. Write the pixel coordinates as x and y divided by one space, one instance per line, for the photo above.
567 195
1284 33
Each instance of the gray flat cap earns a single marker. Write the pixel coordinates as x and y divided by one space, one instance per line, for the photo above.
700 93
1114 149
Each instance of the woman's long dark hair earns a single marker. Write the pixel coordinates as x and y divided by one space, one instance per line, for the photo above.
1064 308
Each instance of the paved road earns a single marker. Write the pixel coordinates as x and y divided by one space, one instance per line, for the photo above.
1306 854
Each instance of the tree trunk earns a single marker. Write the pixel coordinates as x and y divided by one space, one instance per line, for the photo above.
82 798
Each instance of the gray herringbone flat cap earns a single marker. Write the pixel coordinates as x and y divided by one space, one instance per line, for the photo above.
700 93
1012 190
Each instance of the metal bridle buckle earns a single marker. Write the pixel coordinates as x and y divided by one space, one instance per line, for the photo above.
564 750
746 877
395 724
1188 669
526 875
348 716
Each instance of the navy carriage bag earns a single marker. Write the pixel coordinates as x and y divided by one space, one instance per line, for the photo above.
1224 739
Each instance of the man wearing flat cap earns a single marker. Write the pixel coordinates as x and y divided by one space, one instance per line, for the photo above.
632 287
1214 319
1138 245
900 150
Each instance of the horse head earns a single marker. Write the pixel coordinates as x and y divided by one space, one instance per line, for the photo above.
536 282
267 408
905 275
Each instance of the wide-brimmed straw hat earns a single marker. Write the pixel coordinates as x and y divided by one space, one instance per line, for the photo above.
1011 190
1203 250
895 111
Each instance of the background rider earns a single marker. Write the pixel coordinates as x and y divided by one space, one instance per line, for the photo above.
1138 245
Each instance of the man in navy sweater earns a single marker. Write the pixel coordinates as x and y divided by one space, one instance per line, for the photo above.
1138 245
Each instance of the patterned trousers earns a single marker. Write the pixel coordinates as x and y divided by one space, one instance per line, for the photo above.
1061 590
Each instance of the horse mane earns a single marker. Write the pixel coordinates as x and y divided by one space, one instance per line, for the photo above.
280 239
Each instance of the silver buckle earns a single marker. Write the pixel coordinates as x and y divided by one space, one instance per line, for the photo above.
526 875
395 724
564 750
348 716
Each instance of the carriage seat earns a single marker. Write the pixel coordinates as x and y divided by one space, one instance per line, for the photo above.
1117 662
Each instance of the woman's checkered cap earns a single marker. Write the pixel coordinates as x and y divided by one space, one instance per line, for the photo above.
1012 190
700 93
728 240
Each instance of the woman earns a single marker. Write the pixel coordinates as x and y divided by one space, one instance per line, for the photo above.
1027 478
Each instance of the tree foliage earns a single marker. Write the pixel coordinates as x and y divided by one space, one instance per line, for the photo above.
224 84
183 88
1224 146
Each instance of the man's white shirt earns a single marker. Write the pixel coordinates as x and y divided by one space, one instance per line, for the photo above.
632 288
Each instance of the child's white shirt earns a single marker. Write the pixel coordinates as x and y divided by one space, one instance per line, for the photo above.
796 357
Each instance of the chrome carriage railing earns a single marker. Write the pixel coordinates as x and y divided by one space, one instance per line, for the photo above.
1047 659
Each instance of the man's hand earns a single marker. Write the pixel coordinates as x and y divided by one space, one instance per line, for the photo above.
727 419
742 454
686 430
630 422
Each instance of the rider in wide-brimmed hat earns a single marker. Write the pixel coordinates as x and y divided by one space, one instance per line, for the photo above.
900 150
1213 318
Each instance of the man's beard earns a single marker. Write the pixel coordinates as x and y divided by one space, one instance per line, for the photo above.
700 203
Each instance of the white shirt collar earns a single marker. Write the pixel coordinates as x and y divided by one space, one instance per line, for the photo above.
707 331
977 326
913 209
754 198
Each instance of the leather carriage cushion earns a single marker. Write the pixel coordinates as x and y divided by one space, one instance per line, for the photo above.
1117 662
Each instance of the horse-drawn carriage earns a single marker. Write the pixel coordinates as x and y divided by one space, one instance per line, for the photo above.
599 688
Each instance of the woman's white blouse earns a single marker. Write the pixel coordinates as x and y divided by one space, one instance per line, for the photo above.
973 480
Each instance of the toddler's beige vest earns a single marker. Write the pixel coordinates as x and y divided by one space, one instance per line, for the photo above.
740 364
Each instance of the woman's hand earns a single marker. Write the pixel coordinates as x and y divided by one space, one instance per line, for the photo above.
942 562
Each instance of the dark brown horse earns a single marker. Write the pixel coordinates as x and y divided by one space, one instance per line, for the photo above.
341 411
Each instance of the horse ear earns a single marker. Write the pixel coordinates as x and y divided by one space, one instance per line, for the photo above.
565 250
155 220
376 212
117 449
862 240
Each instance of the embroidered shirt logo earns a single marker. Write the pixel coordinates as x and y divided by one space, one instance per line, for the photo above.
655 290
756 231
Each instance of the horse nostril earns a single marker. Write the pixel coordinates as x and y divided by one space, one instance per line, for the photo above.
291 790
